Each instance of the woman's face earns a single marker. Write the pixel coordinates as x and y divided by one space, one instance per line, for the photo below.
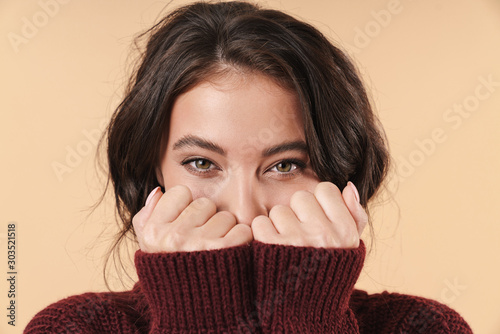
238 139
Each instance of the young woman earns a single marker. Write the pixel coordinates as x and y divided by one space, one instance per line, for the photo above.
243 158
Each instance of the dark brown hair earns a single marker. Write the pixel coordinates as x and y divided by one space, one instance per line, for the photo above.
196 41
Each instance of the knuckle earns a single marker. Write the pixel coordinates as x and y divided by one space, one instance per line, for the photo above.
342 230
176 240
179 188
327 189
203 204
225 216
180 191
300 196
148 237
259 219
243 230
280 208
243 234
196 208
326 240
278 211
348 236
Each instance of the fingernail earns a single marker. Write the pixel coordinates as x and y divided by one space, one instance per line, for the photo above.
356 193
151 194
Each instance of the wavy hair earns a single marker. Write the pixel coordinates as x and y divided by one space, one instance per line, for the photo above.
194 42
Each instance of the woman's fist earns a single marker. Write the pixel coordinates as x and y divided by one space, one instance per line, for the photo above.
326 218
173 222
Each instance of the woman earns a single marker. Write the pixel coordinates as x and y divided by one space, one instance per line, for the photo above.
243 158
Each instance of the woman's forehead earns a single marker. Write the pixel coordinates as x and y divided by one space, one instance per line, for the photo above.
238 107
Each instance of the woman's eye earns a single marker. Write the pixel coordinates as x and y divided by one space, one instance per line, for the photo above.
202 164
199 166
288 166
285 167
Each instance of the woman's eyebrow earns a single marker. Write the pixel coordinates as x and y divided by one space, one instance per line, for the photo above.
195 141
298 145
191 140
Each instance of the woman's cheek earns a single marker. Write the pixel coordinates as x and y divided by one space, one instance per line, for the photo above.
311 184
281 194
205 188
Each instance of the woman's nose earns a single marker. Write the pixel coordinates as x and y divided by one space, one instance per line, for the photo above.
244 199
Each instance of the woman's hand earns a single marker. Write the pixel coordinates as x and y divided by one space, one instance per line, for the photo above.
173 222
327 218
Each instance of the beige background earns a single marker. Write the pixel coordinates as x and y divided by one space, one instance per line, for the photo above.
439 234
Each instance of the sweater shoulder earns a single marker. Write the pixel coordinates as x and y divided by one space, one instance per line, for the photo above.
394 312
92 312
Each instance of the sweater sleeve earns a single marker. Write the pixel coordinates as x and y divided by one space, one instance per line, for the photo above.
193 292
305 289
398 313
88 313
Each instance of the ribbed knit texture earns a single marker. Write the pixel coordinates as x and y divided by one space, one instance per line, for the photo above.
248 289
197 291
387 312
305 289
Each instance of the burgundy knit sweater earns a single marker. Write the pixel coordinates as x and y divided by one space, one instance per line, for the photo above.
259 288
